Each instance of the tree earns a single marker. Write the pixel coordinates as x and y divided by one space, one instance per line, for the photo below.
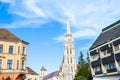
81 59
87 58
85 72
80 78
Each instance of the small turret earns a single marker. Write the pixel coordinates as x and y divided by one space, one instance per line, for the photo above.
43 72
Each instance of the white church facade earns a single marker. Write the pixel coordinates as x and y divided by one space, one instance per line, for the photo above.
68 67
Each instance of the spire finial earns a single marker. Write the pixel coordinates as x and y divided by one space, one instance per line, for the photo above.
68 26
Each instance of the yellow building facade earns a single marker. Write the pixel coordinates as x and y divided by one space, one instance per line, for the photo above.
12 56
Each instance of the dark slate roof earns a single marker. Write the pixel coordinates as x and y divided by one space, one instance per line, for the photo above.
109 33
5 35
43 69
56 73
30 71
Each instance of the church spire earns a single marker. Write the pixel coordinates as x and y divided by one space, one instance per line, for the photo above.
68 26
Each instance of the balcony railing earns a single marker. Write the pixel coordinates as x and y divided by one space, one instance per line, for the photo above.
111 70
96 63
98 72
117 56
108 59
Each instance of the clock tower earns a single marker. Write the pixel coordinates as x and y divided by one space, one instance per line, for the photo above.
68 68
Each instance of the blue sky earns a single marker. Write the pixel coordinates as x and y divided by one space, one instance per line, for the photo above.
42 23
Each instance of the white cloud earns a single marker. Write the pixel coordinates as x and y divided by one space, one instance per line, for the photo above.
86 16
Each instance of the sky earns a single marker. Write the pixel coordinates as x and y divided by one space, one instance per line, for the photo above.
42 23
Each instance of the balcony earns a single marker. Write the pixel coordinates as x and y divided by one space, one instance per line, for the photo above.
111 70
98 72
117 56
93 53
116 42
104 48
96 63
108 59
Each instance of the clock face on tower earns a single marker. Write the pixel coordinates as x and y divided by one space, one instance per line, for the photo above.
69 39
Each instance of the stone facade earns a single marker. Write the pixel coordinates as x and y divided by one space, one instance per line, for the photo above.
68 68
12 56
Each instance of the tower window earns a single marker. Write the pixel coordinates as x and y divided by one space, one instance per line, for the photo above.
67 51
70 51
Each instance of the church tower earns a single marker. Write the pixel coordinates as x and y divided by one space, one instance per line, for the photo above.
68 68
43 72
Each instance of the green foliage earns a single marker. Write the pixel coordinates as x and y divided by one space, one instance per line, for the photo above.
87 58
81 59
80 78
84 72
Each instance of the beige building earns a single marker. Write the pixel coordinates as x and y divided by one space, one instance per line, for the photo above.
12 55
105 54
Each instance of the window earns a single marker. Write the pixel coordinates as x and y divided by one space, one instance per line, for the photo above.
119 63
104 52
71 60
70 50
1 48
0 63
94 56
18 49
117 47
109 66
17 64
67 51
97 68
10 49
23 63
23 50
9 64
109 50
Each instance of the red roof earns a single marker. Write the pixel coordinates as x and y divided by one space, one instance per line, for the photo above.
56 73
30 71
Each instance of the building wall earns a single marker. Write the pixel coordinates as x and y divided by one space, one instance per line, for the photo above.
107 78
32 77
102 57
54 78
17 56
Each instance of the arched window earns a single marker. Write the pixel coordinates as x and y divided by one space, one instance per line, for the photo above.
67 51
